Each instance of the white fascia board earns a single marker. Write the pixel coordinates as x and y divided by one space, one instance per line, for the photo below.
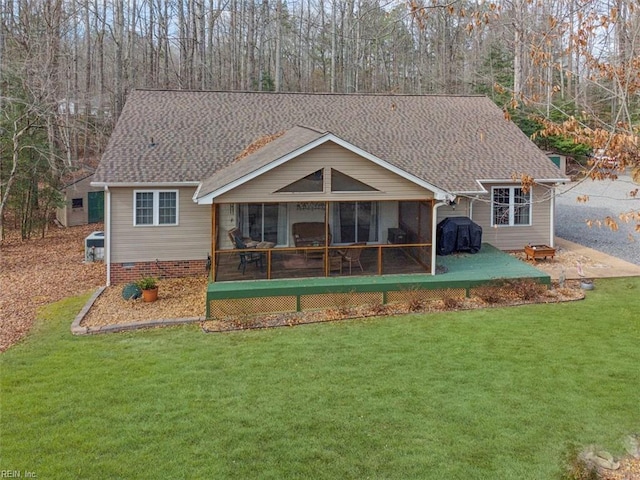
481 191
144 184
512 181
438 193
196 193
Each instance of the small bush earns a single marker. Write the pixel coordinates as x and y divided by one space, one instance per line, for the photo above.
525 289
147 283
451 302
414 299
451 299
491 293
342 302
379 309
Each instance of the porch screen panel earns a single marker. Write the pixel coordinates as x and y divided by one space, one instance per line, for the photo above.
415 220
409 220
425 222
264 222
271 213
355 222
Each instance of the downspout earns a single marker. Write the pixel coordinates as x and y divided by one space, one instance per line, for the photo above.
107 237
434 232
552 216
471 207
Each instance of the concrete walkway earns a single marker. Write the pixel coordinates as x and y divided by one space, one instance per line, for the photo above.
595 264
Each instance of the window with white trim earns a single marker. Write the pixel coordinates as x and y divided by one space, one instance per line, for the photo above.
155 207
511 206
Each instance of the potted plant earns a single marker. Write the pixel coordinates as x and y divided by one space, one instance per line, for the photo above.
149 287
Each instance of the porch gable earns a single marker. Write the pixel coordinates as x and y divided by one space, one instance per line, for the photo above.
328 158
262 173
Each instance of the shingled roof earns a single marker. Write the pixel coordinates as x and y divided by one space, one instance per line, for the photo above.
451 142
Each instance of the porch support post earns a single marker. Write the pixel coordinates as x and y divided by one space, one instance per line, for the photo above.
434 231
327 261
214 239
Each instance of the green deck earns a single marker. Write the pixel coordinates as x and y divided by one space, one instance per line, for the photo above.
460 271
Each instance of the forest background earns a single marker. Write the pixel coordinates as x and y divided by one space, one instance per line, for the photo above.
566 71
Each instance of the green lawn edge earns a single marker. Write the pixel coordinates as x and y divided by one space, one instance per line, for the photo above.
496 393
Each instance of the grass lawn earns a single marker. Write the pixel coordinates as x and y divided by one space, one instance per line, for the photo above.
486 394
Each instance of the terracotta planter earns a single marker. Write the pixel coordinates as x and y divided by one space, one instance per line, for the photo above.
150 295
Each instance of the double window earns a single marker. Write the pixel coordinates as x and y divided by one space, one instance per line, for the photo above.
511 206
155 207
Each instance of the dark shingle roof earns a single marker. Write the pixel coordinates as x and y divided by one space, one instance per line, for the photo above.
290 141
187 136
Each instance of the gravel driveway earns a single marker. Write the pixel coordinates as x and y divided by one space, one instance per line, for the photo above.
606 198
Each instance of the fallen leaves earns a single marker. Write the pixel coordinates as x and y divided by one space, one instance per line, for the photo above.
39 271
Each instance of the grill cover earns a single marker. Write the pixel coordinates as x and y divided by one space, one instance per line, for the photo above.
458 234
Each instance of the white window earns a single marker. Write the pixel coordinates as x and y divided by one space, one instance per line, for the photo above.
155 207
510 206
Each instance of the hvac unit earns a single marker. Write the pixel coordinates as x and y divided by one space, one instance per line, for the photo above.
94 247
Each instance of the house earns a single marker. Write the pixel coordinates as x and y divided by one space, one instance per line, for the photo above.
559 160
192 178
82 203
96 106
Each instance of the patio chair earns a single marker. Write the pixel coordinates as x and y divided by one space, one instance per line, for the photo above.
247 256
237 233
352 255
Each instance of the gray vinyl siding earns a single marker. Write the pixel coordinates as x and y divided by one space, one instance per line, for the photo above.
329 155
515 237
189 240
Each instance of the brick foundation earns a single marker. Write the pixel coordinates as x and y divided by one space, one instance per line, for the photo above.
130 272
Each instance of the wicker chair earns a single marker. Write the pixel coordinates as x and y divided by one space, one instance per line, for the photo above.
352 255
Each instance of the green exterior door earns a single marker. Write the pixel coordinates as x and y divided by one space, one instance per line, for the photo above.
96 207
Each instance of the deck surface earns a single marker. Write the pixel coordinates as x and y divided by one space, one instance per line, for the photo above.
460 270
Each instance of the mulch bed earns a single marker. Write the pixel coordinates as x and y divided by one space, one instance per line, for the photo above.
36 272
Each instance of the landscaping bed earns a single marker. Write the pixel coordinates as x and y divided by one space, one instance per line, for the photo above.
185 298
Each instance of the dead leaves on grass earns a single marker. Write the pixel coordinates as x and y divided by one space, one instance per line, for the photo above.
39 271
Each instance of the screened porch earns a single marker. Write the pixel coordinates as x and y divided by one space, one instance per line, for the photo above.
266 241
